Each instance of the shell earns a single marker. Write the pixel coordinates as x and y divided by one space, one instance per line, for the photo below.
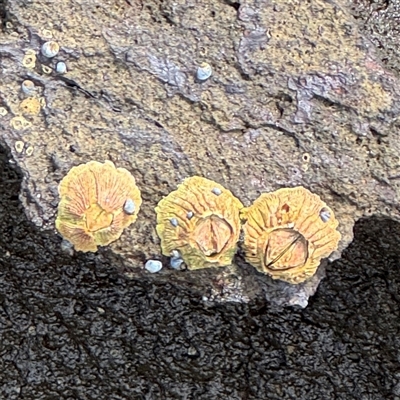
50 49
203 226
91 209
28 87
19 123
29 151
47 70
29 60
129 207
204 71
153 266
19 146
288 232
30 106
61 67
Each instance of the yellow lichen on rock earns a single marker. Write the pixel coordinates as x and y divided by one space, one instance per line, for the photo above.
93 207
288 232
201 221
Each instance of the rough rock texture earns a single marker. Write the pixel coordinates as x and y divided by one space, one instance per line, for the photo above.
297 97
380 21
75 328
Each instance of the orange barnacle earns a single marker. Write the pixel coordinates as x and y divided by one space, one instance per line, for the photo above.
288 232
200 221
97 202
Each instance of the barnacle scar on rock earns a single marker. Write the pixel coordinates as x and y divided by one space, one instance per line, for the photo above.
201 222
97 202
288 232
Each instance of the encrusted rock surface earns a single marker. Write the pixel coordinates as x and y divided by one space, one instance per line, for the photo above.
76 328
297 97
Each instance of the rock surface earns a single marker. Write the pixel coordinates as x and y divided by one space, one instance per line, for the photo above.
297 97
75 328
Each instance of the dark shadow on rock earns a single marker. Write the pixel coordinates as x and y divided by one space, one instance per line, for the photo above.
75 328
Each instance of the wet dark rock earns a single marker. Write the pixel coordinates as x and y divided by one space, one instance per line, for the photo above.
380 21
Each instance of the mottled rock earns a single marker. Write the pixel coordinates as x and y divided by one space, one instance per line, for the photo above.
297 97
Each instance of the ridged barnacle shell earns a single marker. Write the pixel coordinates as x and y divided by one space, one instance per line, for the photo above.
288 232
50 49
91 211
201 221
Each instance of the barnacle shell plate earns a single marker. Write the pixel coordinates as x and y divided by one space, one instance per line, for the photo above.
204 71
201 220
50 49
288 232
91 210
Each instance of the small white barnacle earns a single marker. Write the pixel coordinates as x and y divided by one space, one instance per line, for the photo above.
153 266
174 222
28 87
29 151
216 191
61 67
67 247
175 254
204 71
19 146
325 214
50 49
176 263
129 207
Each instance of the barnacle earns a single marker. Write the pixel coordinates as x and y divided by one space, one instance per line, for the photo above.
29 60
288 232
19 123
201 222
91 211
61 67
28 87
50 49
31 106
19 146
204 71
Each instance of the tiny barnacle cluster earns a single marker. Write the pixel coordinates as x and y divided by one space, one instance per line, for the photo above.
200 222
97 202
288 232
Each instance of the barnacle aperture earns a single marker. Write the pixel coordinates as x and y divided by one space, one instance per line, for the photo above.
92 210
288 232
200 220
